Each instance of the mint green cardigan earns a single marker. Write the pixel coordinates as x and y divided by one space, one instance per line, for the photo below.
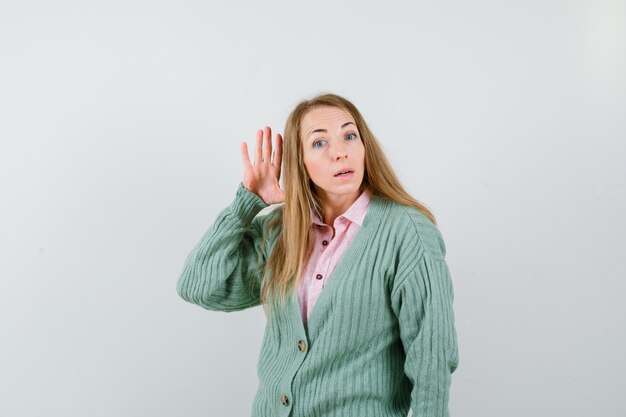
381 337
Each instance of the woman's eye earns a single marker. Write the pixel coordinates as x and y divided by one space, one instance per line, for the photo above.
321 141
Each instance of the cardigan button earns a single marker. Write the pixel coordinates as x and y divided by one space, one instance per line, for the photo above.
302 345
284 399
324 242
318 276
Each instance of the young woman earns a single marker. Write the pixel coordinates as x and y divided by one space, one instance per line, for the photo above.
349 268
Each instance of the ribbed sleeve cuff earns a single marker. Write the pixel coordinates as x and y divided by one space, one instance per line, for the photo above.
247 204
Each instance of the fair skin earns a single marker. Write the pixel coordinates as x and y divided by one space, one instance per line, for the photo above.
262 177
330 142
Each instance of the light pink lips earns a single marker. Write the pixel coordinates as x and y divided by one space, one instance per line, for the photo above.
345 176
344 169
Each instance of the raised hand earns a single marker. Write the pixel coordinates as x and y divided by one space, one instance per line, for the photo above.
262 177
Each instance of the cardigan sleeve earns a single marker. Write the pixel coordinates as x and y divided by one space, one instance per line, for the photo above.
220 272
422 302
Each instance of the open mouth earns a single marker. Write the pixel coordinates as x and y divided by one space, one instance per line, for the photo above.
344 173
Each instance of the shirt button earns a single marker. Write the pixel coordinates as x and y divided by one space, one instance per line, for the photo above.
284 399
318 276
302 345
325 242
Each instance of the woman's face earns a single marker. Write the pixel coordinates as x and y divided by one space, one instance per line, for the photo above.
330 143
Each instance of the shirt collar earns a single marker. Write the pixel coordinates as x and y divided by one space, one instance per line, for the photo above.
355 213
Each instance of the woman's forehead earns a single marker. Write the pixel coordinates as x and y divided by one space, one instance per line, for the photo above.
325 117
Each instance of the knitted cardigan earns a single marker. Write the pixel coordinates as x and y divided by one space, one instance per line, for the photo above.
381 337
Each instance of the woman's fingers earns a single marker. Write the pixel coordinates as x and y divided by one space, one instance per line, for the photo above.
267 144
264 151
259 178
244 156
259 144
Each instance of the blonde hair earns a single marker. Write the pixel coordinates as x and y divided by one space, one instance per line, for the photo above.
283 269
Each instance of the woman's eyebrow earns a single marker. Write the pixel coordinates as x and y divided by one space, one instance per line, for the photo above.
325 131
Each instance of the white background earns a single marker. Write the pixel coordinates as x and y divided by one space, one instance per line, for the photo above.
120 125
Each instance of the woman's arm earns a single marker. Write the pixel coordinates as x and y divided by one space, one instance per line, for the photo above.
220 272
422 299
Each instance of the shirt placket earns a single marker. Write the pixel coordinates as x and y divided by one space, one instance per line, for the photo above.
320 272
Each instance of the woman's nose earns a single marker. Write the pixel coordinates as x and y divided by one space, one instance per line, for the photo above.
339 151
340 154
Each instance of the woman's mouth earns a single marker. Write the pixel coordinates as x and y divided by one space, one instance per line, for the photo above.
346 174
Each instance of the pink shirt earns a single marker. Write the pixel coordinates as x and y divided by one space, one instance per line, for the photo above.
328 250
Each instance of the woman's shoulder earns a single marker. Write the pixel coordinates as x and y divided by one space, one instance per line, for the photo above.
416 228
270 216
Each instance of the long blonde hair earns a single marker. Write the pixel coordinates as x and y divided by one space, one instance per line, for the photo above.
294 244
